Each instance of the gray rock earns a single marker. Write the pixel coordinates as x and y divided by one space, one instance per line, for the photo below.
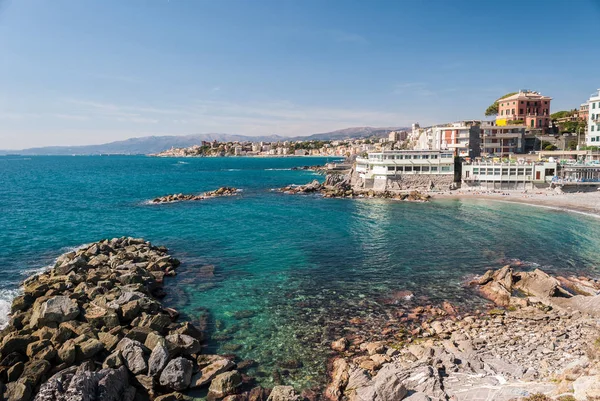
182 343
177 374
158 358
132 353
58 309
79 385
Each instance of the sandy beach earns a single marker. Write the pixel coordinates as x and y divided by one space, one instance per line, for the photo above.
586 202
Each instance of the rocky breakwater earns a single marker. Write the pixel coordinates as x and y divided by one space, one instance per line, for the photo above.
338 186
92 328
541 347
223 191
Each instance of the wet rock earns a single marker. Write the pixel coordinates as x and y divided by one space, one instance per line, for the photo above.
177 374
209 372
340 345
284 393
339 380
225 384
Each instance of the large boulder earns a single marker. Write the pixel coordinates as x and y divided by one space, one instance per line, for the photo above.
57 309
182 343
158 358
17 391
225 384
539 284
177 374
132 353
210 371
74 384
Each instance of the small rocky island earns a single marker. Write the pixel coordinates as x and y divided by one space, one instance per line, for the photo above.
93 328
223 191
338 186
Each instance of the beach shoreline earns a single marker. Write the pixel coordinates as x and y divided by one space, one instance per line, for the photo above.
579 202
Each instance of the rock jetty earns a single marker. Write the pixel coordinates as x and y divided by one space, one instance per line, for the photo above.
544 346
223 191
93 328
337 186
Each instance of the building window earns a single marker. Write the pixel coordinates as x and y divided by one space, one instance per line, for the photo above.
425 169
513 111
501 112
434 169
445 168
593 105
407 169
520 111
592 127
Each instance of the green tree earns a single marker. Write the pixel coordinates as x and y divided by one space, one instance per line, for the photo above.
492 110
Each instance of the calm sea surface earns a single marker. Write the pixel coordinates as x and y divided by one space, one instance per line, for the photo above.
287 269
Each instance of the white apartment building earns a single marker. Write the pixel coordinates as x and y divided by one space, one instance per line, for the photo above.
593 127
462 137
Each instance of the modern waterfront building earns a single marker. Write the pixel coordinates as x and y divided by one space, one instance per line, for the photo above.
526 107
491 175
592 137
503 140
399 169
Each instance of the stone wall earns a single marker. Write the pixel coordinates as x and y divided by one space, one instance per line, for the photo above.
420 181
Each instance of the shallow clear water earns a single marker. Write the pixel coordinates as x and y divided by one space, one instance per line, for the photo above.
296 269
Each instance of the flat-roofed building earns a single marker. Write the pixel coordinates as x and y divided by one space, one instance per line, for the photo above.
492 175
403 169
592 137
501 141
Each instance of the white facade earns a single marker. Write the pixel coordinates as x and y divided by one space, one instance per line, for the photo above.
400 162
593 127
507 175
453 136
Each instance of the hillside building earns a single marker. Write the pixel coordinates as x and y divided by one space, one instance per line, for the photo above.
526 107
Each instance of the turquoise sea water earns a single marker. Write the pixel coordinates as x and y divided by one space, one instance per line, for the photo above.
290 272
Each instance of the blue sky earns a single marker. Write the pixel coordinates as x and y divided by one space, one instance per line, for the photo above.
81 72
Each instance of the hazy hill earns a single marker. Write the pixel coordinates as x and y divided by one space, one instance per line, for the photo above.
155 144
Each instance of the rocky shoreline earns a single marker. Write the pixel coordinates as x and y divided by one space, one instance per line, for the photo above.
223 191
544 346
93 328
338 186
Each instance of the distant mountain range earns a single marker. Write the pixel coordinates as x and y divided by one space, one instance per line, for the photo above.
156 144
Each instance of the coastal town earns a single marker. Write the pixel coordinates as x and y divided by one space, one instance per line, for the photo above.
526 147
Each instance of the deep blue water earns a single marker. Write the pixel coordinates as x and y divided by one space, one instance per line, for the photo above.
299 265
